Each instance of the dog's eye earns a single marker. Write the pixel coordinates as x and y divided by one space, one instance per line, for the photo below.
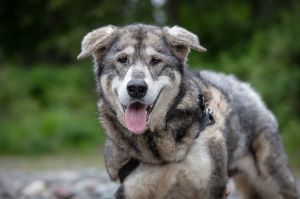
123 59
155 60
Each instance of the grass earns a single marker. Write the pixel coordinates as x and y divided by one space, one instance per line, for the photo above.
48 109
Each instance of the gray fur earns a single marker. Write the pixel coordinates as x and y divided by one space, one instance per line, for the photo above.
179 154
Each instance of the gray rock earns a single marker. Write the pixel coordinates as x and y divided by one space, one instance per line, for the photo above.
63 192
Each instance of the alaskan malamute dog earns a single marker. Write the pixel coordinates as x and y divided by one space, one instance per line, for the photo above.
175 133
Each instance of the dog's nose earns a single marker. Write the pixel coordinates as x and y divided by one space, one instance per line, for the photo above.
137 88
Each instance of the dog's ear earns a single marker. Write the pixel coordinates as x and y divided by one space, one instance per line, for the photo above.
96 40
182 40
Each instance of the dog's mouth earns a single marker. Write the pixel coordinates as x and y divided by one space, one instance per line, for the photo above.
137 115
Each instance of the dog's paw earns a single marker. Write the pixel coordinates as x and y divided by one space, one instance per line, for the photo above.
120 194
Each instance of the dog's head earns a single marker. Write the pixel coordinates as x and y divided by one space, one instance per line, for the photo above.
139 70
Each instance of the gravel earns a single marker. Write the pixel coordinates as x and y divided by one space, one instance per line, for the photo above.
87 183
62 184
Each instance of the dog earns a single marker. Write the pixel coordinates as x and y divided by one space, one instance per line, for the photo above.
176 133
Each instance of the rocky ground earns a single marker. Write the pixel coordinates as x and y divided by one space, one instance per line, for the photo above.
61 184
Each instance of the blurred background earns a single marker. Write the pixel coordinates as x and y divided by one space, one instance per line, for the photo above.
48 98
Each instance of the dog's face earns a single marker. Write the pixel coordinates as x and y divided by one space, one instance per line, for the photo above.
139 70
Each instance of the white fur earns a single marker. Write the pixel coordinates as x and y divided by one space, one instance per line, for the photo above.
122 90
158 115
156 181
199 164
150 51
111 93
154 86
128 51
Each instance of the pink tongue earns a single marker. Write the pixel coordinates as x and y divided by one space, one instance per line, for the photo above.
136 117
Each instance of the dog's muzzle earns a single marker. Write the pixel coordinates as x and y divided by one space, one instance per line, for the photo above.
137 88
137 111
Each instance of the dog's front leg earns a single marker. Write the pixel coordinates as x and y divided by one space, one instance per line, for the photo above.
115 159
148 181
219 176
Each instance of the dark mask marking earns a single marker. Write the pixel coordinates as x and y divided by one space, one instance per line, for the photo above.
152 145
131 165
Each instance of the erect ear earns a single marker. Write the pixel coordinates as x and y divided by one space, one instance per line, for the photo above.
96 40
181 40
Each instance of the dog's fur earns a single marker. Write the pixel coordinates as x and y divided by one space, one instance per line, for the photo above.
180 153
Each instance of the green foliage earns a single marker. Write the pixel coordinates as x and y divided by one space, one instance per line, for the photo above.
46 109
271 63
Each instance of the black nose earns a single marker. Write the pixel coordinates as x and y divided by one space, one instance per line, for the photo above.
137 88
